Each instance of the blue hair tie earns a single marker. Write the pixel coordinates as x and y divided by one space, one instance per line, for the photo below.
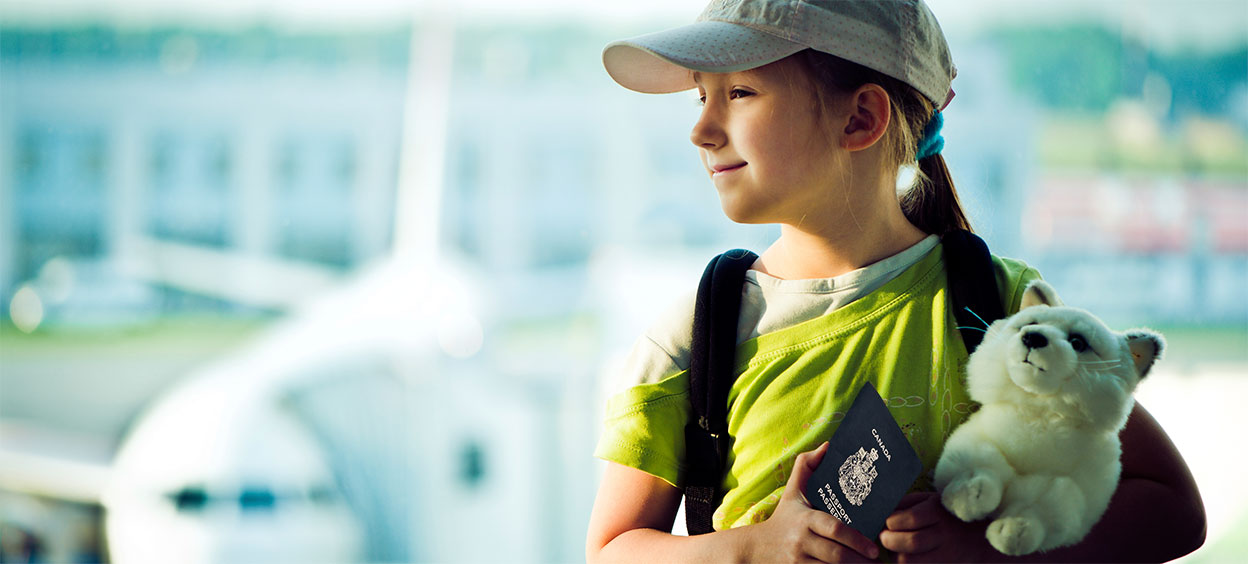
932 142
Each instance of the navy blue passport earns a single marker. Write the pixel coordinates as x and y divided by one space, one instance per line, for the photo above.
868 467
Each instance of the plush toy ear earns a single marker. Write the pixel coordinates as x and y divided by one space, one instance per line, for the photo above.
1146 347
1040 292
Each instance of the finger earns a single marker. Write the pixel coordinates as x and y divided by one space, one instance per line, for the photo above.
913 498
911 542
808 461
831 528
803 467
824 550
925 513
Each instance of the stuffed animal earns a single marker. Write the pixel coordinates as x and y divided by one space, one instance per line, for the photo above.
1041 456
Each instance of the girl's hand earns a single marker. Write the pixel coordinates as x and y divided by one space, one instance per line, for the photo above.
796 532
922 530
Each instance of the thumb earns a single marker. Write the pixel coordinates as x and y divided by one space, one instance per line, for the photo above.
803 467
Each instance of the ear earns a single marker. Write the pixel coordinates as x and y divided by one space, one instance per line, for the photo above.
1040 292
869 114
1146 347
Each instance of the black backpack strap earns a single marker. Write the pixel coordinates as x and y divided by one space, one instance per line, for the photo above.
973 291
712 364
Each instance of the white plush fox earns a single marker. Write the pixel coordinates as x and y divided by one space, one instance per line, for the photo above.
1041 456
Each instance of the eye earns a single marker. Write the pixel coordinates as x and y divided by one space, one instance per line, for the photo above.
1078 343
739 93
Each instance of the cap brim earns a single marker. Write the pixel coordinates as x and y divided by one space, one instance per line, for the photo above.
665 61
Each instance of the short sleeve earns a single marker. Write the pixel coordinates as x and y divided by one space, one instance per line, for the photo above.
1013 276
644 428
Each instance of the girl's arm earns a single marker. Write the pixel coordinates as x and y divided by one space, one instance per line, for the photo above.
634 512
1156 513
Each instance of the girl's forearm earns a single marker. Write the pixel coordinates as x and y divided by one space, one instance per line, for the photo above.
652 545
1147 521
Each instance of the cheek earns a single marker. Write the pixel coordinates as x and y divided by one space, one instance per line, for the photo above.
815 146
798 139
793 150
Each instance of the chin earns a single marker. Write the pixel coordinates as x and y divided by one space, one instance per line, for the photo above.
742 213
736 216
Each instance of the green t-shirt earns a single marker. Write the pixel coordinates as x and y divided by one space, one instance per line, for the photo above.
794 385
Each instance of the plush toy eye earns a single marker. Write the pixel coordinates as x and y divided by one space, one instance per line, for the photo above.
1078 343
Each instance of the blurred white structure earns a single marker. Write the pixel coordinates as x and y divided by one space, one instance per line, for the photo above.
223 468
212 477
367 427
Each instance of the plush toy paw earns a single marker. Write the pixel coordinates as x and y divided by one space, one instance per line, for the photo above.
1015 536
972 498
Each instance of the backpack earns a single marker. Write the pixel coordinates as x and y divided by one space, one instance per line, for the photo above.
976 303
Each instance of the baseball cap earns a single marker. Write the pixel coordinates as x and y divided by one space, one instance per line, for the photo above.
899 38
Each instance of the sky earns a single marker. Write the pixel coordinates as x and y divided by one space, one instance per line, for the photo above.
1166 23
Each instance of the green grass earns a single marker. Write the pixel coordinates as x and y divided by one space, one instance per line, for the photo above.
197 332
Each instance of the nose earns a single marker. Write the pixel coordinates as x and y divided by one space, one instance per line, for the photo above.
1034 341
707 132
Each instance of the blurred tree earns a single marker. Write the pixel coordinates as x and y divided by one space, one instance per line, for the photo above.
1203 82
1074 68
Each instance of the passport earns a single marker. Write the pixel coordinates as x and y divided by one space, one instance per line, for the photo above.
868 467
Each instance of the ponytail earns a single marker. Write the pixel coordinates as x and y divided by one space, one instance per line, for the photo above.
932 203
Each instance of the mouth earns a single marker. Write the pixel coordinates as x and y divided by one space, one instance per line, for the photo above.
717 170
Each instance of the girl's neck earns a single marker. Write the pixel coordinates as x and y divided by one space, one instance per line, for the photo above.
804 251
859 223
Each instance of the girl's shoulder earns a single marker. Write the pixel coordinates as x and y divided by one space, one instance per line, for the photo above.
661 351
767 304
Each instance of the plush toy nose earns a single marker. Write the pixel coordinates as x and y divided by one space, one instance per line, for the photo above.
1034 341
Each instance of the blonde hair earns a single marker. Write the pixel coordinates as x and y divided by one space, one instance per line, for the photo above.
931 204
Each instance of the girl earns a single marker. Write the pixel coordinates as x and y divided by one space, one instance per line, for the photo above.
809 109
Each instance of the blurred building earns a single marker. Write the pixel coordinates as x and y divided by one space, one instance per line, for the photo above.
125 147
1145 249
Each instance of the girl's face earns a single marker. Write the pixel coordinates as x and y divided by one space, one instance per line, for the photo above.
771 157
